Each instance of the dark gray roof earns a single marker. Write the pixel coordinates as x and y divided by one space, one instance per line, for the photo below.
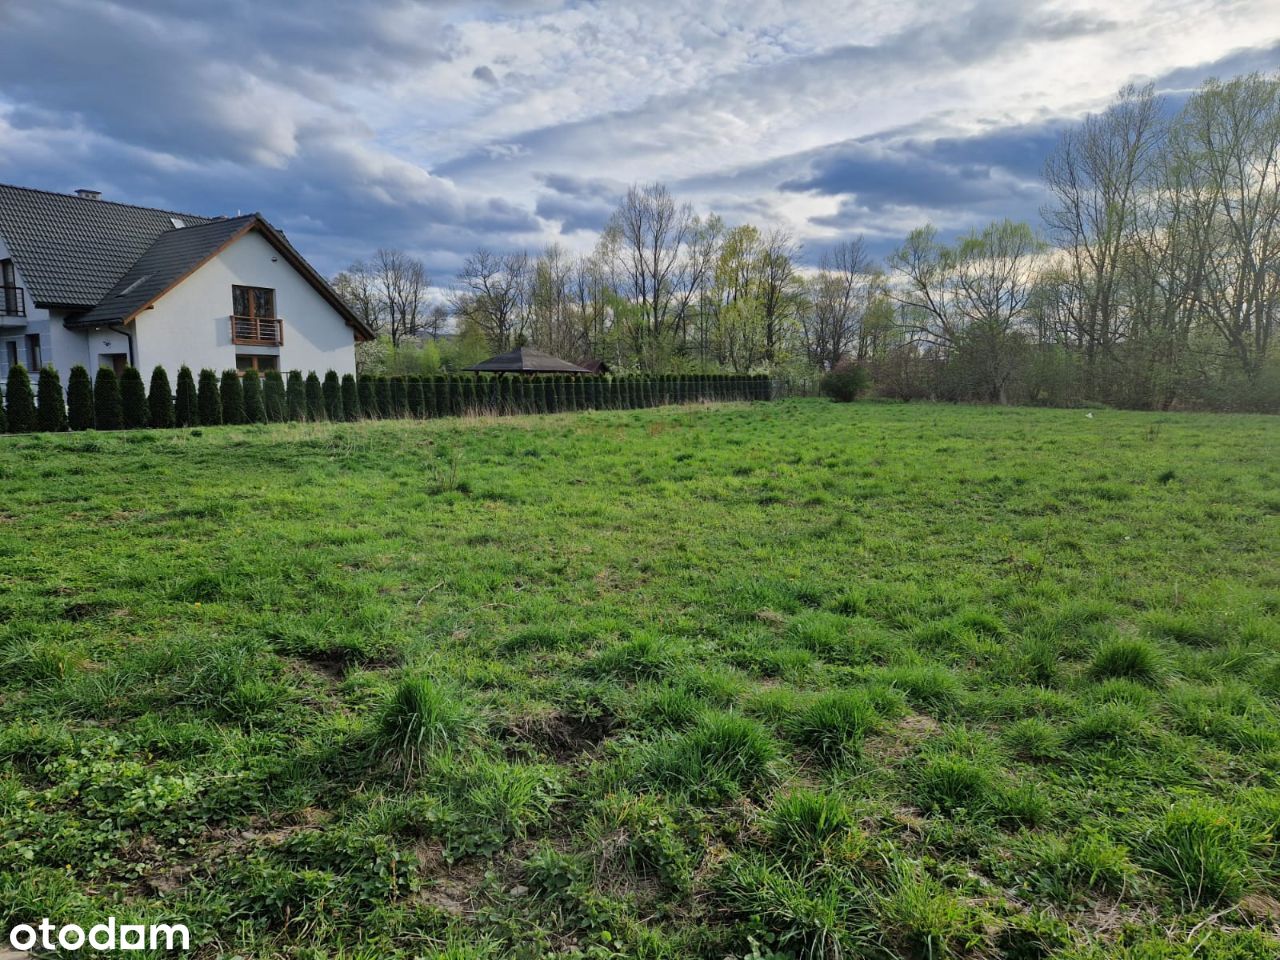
71 251
526 360
170 258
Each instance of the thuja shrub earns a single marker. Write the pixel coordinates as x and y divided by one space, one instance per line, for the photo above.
107 411
417 406
399 396
332 389
20 404
295 394
160 400
255 409
350 398
80 399
314 394
232 393
133 399
273 397
185 409
51 409
382 391
208 403
368 402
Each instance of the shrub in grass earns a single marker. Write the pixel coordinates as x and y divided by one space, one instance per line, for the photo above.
231 393
274 399
927 687
421 720
80 399
927 918
1201 849
332 390
313 390
208 402
845 382
1033 739
948 784
20 403
133 400
671 708
1196 631
51 407
160 400
1109 724
638 834
1086 863
721 755
365 394
1128 659
643 657
295 396
502 802
108 413
812 826
804 916
833 725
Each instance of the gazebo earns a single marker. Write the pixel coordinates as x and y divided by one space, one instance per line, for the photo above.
527 361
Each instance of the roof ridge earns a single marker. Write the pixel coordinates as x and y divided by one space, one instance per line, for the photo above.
114 203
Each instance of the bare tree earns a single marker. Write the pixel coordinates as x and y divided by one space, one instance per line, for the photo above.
494 295
359 290
402 283
836 300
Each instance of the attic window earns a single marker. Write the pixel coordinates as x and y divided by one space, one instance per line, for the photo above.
178 222
133 286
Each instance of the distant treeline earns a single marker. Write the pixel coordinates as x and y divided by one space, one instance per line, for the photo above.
109 402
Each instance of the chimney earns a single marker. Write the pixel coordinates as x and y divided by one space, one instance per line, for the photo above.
86 194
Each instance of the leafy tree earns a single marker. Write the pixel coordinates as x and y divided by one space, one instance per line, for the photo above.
273 397
80 399
315 397
108 409
295 396
350 398
160 399
332 388
255 408
185 410
231 392
20 401
51 413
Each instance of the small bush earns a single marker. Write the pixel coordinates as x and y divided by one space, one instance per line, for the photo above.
350 398
845 382
1128 659
314 392
108 412
51 413
208 400
833 725
160 400
421 720
332 390
185 408
721 755
80 399
231 393
295 397
1202 850
273 397
20 403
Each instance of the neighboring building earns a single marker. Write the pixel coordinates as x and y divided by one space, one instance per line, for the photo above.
87 281
528 361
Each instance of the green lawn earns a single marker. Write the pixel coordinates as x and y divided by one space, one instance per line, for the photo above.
774 680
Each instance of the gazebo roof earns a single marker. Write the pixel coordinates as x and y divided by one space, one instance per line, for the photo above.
526 360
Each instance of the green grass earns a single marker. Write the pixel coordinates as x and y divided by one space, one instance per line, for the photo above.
779 680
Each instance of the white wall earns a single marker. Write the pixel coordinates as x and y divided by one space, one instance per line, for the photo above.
190 324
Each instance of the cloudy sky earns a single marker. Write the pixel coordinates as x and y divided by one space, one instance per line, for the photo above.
439 126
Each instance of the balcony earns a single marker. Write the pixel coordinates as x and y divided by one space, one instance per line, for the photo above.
257 331
13 302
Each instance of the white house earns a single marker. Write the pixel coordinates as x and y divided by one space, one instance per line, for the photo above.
87 281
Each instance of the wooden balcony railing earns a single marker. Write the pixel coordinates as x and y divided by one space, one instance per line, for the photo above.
257 331
13 301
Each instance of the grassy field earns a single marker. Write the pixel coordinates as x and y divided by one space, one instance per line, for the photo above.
781 680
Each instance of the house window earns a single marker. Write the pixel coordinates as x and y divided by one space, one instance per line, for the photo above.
34 361
260 362
10 354
14 306
255 303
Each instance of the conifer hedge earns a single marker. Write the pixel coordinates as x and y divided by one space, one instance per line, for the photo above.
314 394
364 392
231 392
208 402
133 400
20 403
274 398
108 413
332 389
184 405
51 408
255 408
350 398
79 399
160 400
